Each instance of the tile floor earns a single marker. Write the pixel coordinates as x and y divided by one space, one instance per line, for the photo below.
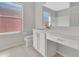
21 51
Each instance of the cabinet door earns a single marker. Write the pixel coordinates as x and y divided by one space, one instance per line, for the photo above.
42 46
35 39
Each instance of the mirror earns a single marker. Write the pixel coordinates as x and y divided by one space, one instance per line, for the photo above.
61 14
46 18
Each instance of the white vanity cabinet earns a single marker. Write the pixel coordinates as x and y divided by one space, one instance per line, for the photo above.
39 41
42 42
42 45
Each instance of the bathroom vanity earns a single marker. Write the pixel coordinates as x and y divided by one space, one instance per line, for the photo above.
44 41
41 44
64 39
70 41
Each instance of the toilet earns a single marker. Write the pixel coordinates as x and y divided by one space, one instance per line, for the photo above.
28 41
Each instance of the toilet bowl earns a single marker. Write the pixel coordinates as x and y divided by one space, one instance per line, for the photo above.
28 41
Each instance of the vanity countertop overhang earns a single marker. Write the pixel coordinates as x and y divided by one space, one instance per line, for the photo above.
68 40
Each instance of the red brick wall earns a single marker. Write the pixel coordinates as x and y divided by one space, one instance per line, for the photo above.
10 24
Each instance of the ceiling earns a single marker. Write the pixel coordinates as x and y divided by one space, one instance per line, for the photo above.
57 5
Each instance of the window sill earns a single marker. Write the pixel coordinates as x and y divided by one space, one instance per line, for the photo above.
7 33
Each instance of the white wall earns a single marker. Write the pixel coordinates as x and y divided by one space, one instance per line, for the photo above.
38 15
28 17
10 40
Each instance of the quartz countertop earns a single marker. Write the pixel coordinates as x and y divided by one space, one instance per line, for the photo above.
67 40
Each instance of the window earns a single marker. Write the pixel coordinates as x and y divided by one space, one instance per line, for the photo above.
10 17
